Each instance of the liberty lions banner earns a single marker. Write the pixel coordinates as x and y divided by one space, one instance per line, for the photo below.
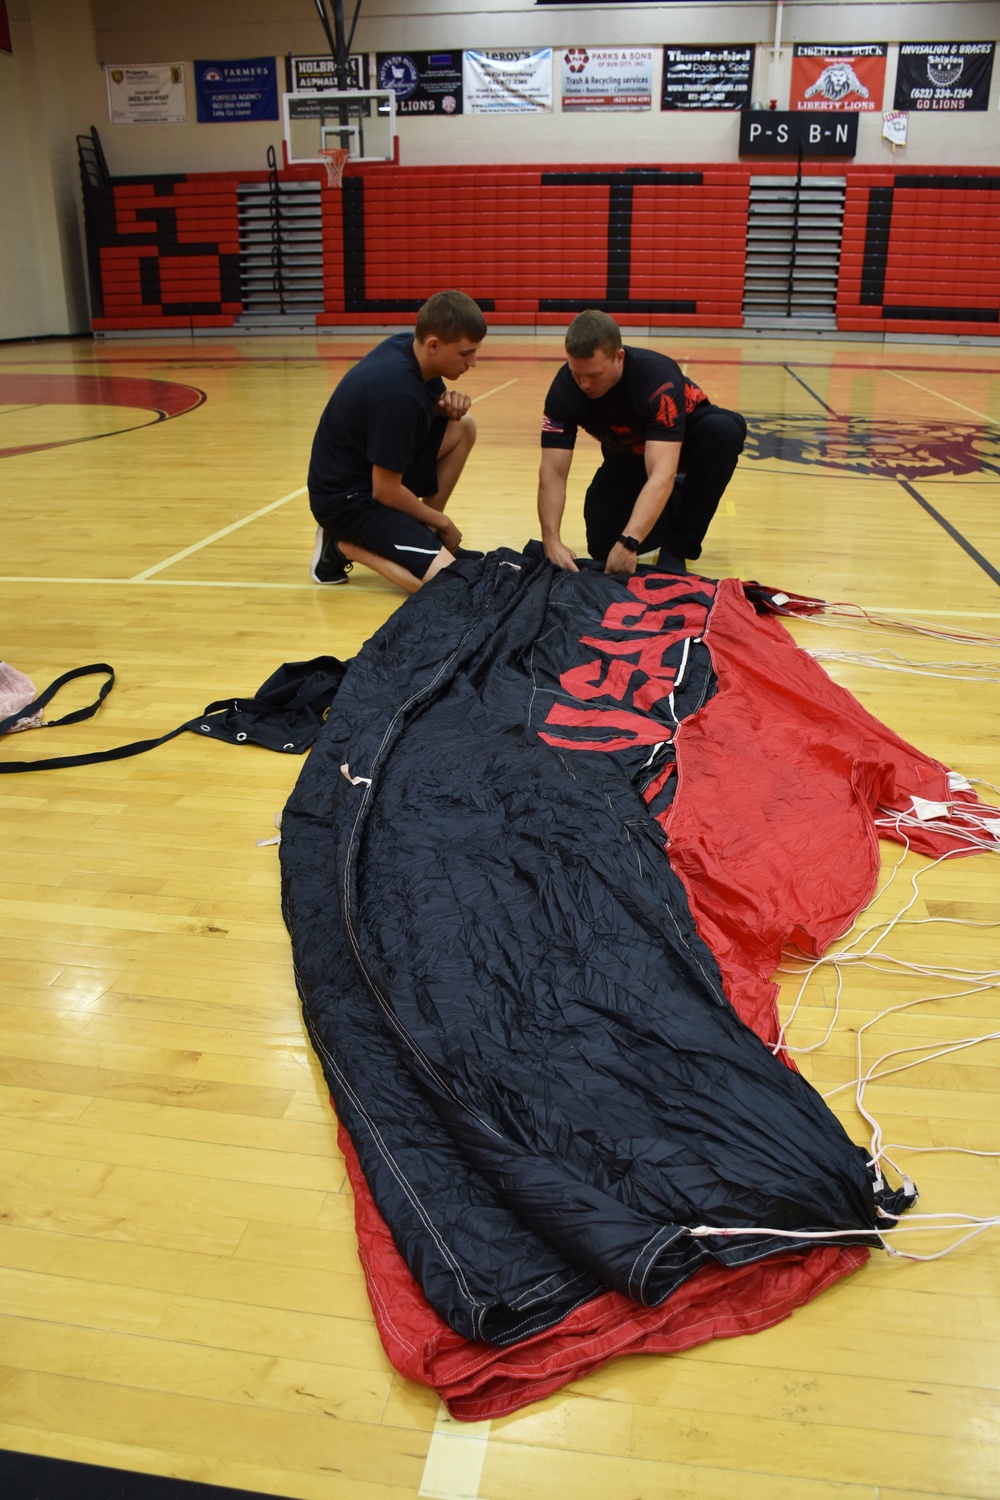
619 78
707 77
514 82
310 75
246 89
425 83
838 77
944 75
152 94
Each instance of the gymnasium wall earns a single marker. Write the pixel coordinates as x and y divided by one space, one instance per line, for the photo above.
42 280
53 87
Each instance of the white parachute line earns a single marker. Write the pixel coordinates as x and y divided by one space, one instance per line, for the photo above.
845 616
890 661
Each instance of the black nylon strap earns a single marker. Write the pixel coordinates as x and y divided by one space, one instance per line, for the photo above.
120 752
53 688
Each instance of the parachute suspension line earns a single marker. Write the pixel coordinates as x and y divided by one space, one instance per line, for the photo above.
891 661
844 616
863 950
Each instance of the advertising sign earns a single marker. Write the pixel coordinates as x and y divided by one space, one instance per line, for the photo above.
245 89
424 83
618 78
707 77
839 78
146 95
767 132
944 75
310 75
518 81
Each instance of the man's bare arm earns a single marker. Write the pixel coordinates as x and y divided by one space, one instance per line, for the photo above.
552 475
661 471
389 489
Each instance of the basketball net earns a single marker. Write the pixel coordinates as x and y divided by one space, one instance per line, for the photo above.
334 160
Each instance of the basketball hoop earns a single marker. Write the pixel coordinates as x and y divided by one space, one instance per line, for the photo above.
334 160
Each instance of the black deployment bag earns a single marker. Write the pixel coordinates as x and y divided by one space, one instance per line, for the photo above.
284 714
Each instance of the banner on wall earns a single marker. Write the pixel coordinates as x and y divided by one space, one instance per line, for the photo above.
707 77
146 95
5 41
838 77
310 75
615 78
244 89
511 82
944 75
424 83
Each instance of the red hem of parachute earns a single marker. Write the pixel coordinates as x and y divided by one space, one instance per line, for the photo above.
746 762
478 1381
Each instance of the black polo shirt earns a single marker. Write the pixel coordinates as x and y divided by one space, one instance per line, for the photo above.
380 413
650 403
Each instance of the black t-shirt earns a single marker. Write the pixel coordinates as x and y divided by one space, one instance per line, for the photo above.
380 413
650 403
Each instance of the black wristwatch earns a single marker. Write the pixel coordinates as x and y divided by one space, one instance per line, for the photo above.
630 543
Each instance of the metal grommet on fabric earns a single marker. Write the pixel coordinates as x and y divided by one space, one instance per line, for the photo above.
240 737
289 746
207 728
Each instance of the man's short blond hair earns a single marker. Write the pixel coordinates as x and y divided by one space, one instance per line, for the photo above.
592 330
450 316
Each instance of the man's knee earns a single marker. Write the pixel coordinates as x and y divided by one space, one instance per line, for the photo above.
460 434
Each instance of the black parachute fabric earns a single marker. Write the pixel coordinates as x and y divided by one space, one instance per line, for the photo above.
521 1029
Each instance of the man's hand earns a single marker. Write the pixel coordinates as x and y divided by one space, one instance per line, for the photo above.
454 405
449 534
620 560
560 556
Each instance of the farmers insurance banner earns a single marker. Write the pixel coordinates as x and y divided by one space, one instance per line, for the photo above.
838 77
151 95
944 75
707 77
306 75
619 78
515 82
245 89
425 83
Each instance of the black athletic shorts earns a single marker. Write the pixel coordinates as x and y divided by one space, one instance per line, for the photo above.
359 518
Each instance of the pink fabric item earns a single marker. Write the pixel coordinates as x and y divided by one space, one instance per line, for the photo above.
17 691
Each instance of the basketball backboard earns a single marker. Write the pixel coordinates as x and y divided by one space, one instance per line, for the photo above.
362 120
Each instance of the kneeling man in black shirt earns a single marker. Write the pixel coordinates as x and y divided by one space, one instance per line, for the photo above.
655 427
390 447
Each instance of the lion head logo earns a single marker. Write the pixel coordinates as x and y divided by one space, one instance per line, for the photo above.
881 449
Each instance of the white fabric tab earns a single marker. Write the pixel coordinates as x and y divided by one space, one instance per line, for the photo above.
927 811
345 770
957 783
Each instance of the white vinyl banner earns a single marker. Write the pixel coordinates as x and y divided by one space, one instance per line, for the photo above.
607 78
146 95
514 82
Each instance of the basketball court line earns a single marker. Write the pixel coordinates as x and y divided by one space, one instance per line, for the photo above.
153 357
809 391
901 611
453 1468
953 532
938 396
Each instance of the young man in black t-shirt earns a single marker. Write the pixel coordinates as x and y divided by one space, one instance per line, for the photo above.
655 427
390 447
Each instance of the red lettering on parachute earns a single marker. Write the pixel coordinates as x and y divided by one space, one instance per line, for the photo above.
634 671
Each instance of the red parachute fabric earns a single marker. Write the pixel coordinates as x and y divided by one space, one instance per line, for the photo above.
772 830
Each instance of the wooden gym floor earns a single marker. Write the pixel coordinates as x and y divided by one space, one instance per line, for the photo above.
178 1270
